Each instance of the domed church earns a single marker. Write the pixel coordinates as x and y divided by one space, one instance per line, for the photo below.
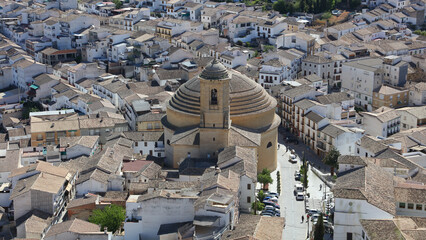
217 109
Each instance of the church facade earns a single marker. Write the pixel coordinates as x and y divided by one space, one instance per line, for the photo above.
217 109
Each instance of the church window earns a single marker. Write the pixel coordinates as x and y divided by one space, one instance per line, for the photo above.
213 97
269 145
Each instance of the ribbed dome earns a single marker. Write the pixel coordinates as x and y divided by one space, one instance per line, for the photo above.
214 71
247 96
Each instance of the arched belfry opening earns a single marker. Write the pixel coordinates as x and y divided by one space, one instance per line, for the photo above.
213 97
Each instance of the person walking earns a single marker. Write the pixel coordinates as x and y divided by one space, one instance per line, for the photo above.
303 218
320 187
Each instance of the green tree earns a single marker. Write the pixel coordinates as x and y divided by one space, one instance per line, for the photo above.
280 6
117 3
110 217
302 6
304 172
257 206
331 4
331 159
319 228
260 196
264 177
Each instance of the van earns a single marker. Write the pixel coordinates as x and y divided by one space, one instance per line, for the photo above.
298 188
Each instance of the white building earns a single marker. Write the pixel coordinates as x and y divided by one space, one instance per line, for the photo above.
365 193
382 122
162 207
147 142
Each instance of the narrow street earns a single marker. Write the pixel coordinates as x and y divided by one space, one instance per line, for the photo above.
292 209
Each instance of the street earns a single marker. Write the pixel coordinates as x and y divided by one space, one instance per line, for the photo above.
291 209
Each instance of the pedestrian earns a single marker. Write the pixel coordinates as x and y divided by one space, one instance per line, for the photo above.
303 218
278 147
320 187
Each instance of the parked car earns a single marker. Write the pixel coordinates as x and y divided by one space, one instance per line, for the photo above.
300 196
270 203
273 213
273 194
298 188
313 211
314 217
292 158
297 176
292 140
269 207
266 215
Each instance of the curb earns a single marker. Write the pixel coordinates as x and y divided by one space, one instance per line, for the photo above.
315 171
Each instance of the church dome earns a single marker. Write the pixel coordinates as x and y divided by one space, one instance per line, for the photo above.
247 99
214 71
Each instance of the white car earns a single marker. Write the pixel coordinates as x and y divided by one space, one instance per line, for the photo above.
298 188
300 196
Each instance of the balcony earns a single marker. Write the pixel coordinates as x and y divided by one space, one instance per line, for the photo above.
321 146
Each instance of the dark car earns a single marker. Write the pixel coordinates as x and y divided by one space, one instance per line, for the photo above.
292 140
297 176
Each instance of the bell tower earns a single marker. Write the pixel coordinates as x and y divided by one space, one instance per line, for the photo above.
214 96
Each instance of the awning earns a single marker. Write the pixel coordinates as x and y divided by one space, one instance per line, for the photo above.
35 87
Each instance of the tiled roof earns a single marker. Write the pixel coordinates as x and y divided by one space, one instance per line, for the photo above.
372 145
370 183
334 98
256 227
74 226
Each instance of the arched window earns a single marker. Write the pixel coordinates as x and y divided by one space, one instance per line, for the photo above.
213 97
269 145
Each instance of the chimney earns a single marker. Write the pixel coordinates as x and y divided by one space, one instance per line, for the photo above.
105 230
217 169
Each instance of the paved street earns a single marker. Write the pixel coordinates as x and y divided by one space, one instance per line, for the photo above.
291 209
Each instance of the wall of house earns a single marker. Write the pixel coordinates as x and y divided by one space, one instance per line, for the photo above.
150 146
90 185
77 151
22 204
245 205
5 199
347 214
408 121
162 211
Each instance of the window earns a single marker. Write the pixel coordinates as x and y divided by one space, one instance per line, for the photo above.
158 154
401 205
168 142
213 97
410 206
214 139
248 199
357 150
363 235
136 144
248 186
149 126
145 144
349 236
269 145
419 207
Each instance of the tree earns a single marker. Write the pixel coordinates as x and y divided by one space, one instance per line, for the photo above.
261 196
302 6
257 206
110 217
331 159
117 3
265 177
319 228
304 172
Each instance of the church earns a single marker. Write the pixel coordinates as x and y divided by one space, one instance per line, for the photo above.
218 109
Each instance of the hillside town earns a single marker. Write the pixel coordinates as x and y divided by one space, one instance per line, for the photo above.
208 120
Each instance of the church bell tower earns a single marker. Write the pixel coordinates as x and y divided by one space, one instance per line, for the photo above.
214 96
